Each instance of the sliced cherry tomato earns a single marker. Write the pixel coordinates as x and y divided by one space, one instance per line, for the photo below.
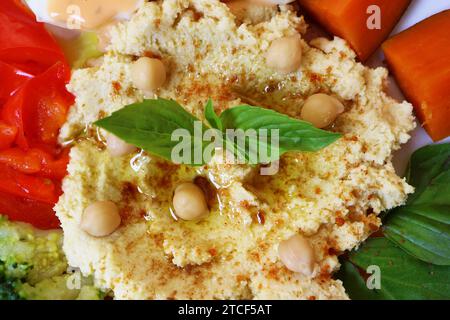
12 114
52 167
56 169
33 106
11 78
47 103
8 134
39 108
25 42
39 214
51 115
24 161
36 161
27 186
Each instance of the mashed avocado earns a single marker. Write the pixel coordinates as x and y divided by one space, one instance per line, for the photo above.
33 266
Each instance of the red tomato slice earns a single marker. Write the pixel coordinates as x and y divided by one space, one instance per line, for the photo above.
11 78
39 108
25 42
39 214
56 169
47 103
36 161
12 115
33 107
23 161
27 186
51 167
7 135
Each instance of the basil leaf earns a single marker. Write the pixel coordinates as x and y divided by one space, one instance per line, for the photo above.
422 226
354 283
402 276
248 151
212 117
150 125
427 163
294 135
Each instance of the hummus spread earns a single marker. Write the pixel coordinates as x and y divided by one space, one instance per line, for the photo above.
332 197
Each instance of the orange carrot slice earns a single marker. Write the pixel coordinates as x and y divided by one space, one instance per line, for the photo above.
419 58
356 20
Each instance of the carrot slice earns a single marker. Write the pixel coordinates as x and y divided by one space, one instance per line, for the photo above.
419 58
355 20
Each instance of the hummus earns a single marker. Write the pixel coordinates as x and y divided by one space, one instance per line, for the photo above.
332 197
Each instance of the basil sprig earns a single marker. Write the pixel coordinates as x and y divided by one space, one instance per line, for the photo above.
414 255
402 277
150 125
294 135
422 226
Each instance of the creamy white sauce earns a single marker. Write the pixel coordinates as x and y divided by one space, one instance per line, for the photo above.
83 14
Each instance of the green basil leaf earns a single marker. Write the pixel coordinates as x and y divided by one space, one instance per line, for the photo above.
426 164
212 117
294 135
150 124
422 226
401 275
354 283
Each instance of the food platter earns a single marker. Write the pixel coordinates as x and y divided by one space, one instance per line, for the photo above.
224 149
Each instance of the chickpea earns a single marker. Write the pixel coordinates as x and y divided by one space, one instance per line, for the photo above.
285 54
321 110
189 202
148 74
117 147
253 11
100 219
297 255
